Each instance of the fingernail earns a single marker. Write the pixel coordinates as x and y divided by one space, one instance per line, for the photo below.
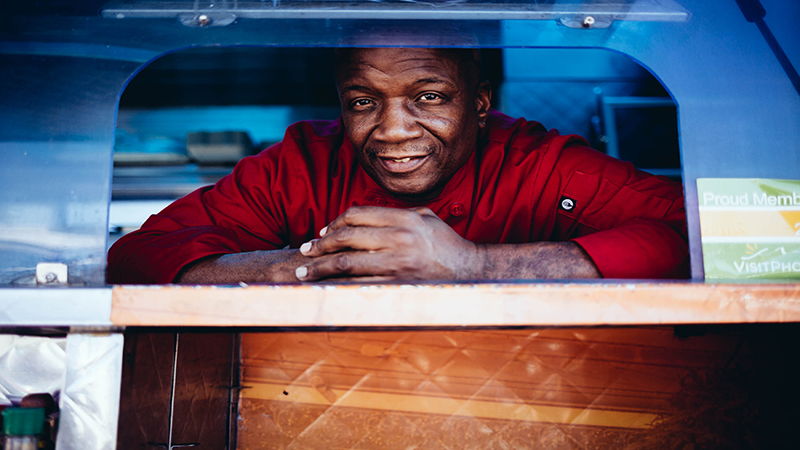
323 231
301 272
305 248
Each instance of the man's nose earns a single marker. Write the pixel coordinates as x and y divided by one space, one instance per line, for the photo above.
397 123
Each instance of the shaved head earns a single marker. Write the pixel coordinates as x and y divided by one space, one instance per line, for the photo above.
468 60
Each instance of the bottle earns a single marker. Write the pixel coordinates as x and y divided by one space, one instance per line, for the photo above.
22 427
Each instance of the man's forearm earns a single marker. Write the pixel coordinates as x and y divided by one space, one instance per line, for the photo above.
274 266
490 262
535 260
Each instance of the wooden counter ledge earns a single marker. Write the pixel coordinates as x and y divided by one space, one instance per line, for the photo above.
455 304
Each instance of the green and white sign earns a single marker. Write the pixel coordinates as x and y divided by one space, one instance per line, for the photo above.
750 228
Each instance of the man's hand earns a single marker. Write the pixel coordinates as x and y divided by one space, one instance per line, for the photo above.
383 244
390 244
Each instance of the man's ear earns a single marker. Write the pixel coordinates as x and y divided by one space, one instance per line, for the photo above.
483 101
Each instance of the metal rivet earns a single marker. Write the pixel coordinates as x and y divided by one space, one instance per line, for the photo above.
588 21
203 19
51 277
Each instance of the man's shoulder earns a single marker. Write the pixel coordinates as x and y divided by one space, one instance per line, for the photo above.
304 144
314 130
305 139
521 135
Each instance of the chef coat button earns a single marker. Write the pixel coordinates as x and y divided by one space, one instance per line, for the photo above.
378 201
456 209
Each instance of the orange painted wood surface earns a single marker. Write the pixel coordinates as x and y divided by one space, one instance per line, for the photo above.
565 304
531 388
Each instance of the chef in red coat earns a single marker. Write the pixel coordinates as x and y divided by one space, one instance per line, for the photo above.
417 180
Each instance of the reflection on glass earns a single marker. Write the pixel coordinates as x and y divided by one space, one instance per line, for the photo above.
600 13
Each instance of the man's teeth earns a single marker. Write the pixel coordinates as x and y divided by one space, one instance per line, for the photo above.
402 160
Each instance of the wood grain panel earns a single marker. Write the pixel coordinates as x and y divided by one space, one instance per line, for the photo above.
202 394
278 425
144 394
523 388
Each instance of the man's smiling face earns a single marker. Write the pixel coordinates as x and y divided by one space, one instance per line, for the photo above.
413 115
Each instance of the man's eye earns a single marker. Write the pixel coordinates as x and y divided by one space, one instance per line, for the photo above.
362 102
429 97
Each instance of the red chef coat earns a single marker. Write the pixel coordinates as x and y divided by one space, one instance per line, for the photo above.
522 184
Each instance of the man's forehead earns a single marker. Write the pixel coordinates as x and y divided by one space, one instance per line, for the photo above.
359 59
444 63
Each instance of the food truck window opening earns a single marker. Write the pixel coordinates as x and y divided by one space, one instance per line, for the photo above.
184 106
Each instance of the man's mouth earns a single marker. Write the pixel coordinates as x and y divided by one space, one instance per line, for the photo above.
402 165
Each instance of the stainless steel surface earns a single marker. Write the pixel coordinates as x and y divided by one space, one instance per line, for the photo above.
55 306
188 11
131 214
89 403
55 144
163 182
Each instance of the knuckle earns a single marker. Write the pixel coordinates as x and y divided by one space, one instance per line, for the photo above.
406 217
406 261
344 234
311 272
342 263
351 213
319 247
416 219
405 238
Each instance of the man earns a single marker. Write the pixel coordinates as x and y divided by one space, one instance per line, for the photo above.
418 180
